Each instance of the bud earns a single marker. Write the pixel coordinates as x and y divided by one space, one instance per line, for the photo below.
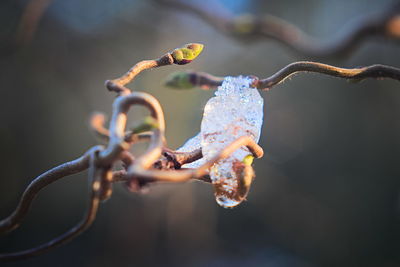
179 80
248 160
148 124
187 53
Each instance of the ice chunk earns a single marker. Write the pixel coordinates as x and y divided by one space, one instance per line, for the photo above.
236 110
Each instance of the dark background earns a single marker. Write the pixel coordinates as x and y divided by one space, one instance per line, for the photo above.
327 189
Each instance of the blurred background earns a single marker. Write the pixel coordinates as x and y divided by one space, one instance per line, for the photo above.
326 191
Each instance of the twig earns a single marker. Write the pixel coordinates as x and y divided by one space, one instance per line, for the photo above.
138 172
87 220
179 56
117 142
97 125
30 19
358 74
101 161
384 24
373 71
190 79
78 165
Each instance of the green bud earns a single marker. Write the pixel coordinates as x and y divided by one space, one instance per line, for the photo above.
179 80
248 160
187 53
148 124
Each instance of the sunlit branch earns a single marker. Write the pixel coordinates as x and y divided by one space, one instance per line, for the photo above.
357 74
101 161
118 124
30 19
137 171
179 56
385 23
190 79
97 125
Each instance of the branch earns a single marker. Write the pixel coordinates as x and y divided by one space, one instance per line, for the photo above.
138 172
102 161
384 24
117 142
189 79
179 56
30 19
97 125
78 165
358 74
95 195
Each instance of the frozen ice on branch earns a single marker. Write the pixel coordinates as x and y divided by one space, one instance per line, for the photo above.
236 110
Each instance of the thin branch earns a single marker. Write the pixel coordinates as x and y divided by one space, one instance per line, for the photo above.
87 220
137 171
97 125
179 56
30 19
182 158
190 79
117 142
358 74
123 176
102 161
78 165
347 40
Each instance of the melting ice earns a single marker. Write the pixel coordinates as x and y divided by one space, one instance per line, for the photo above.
236 110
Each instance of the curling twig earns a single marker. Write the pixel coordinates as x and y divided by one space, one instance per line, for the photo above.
101 161
179 56
119 142
66 169
385 23
358 74
137 171
87 220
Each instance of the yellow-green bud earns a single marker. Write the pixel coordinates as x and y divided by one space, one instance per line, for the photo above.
179 80
248 160
148 124
187 53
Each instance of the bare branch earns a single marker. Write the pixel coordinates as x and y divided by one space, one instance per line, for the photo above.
117 142
102 161
30 19
178 56
190 79
137 171
246 26
97 125
373 71
66 169
182 158
87 220
358 74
